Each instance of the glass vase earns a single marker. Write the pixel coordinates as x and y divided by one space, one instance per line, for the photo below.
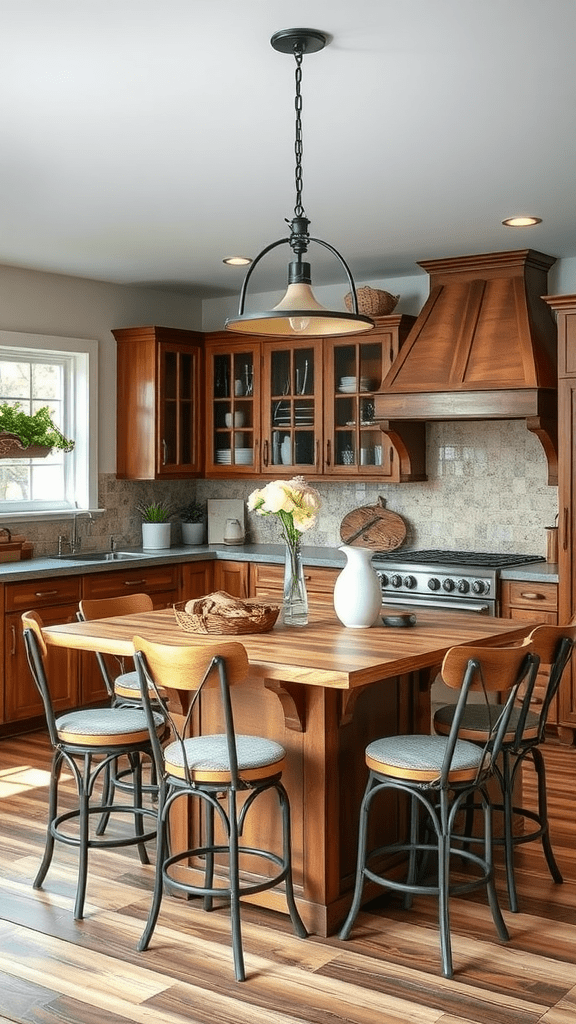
295 607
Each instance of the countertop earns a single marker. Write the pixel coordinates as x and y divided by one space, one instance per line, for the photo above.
333 558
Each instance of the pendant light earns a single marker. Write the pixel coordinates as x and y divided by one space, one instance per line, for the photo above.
299 313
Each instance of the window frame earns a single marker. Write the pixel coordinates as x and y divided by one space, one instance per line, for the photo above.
81 419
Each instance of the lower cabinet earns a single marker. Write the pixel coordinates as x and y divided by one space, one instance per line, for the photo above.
197 579
232 577
533 602
56 600
267 581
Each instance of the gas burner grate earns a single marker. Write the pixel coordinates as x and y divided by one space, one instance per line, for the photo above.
439 557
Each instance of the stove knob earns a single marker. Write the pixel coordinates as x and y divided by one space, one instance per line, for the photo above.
396 580
433 583
384 581
480 587
410 582
462 586
448 584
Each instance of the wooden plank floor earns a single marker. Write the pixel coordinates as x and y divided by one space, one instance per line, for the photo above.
56 971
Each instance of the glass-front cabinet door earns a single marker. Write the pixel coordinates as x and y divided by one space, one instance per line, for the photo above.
233 408
177 436
354 373
292 407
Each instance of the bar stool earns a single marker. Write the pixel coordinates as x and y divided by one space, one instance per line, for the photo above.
213 769
87 742
123 689
438 774
526 733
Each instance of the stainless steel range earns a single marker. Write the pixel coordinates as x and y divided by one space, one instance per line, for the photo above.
456 580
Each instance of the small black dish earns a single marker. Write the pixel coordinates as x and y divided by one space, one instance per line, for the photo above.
399 619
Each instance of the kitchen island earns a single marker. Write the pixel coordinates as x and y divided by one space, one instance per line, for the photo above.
325 692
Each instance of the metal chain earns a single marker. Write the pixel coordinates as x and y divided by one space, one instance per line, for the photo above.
298 146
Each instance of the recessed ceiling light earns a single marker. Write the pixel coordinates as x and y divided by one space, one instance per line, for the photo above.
237 261
521 222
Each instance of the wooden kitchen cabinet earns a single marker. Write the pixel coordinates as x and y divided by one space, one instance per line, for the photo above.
292 407
354 370
306 406
56 599
232 442
565 309
160 582
267 582
533 602
197 579
159 403
232 577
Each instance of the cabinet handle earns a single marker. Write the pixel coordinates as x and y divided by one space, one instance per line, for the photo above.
135 583
528 596
45 593
265 452
328 452
164 452
565 522
13 651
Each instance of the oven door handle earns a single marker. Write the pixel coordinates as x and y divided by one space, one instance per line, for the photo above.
453 606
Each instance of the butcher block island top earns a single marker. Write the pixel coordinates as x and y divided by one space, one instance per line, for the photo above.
323 653
324 691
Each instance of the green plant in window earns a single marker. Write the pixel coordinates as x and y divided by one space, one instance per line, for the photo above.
33 429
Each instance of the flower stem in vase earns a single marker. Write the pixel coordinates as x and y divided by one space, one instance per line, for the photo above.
295 607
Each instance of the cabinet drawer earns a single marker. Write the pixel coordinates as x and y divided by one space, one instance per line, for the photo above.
535 596
318 581
40 593
145 580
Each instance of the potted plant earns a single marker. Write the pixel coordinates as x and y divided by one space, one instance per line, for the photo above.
193 517
156 523
29 436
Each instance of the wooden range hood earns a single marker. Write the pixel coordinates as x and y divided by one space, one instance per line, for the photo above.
483 347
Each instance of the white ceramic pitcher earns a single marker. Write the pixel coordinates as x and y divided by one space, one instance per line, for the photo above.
357 593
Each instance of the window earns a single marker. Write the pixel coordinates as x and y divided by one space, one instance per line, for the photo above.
61 373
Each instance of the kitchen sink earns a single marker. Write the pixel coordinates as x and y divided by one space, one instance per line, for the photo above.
99 556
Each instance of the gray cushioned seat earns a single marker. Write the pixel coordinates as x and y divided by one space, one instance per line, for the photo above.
208 754
415 755
477 721
104 723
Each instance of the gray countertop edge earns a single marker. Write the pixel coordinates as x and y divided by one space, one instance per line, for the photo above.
331 558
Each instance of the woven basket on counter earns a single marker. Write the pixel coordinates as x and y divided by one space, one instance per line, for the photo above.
221 614
372 301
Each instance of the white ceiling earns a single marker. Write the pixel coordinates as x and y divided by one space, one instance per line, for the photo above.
144 140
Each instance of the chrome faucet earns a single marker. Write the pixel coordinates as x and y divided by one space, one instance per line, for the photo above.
75 539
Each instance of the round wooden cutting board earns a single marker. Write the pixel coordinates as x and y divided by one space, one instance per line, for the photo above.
373 526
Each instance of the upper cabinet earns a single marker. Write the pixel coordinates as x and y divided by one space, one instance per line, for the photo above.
304 406
232 440
158 403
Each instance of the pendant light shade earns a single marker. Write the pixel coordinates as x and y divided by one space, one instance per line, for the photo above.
299 313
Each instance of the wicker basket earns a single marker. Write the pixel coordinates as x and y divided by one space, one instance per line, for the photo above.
261 620
372 301
11 447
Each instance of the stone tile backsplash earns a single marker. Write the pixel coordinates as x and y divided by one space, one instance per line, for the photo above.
486 491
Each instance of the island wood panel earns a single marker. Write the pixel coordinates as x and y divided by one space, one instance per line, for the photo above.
324 691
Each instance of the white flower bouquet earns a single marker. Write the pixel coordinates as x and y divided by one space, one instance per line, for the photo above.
294 502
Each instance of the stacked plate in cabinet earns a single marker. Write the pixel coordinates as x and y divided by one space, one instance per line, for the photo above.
243 456
350 384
